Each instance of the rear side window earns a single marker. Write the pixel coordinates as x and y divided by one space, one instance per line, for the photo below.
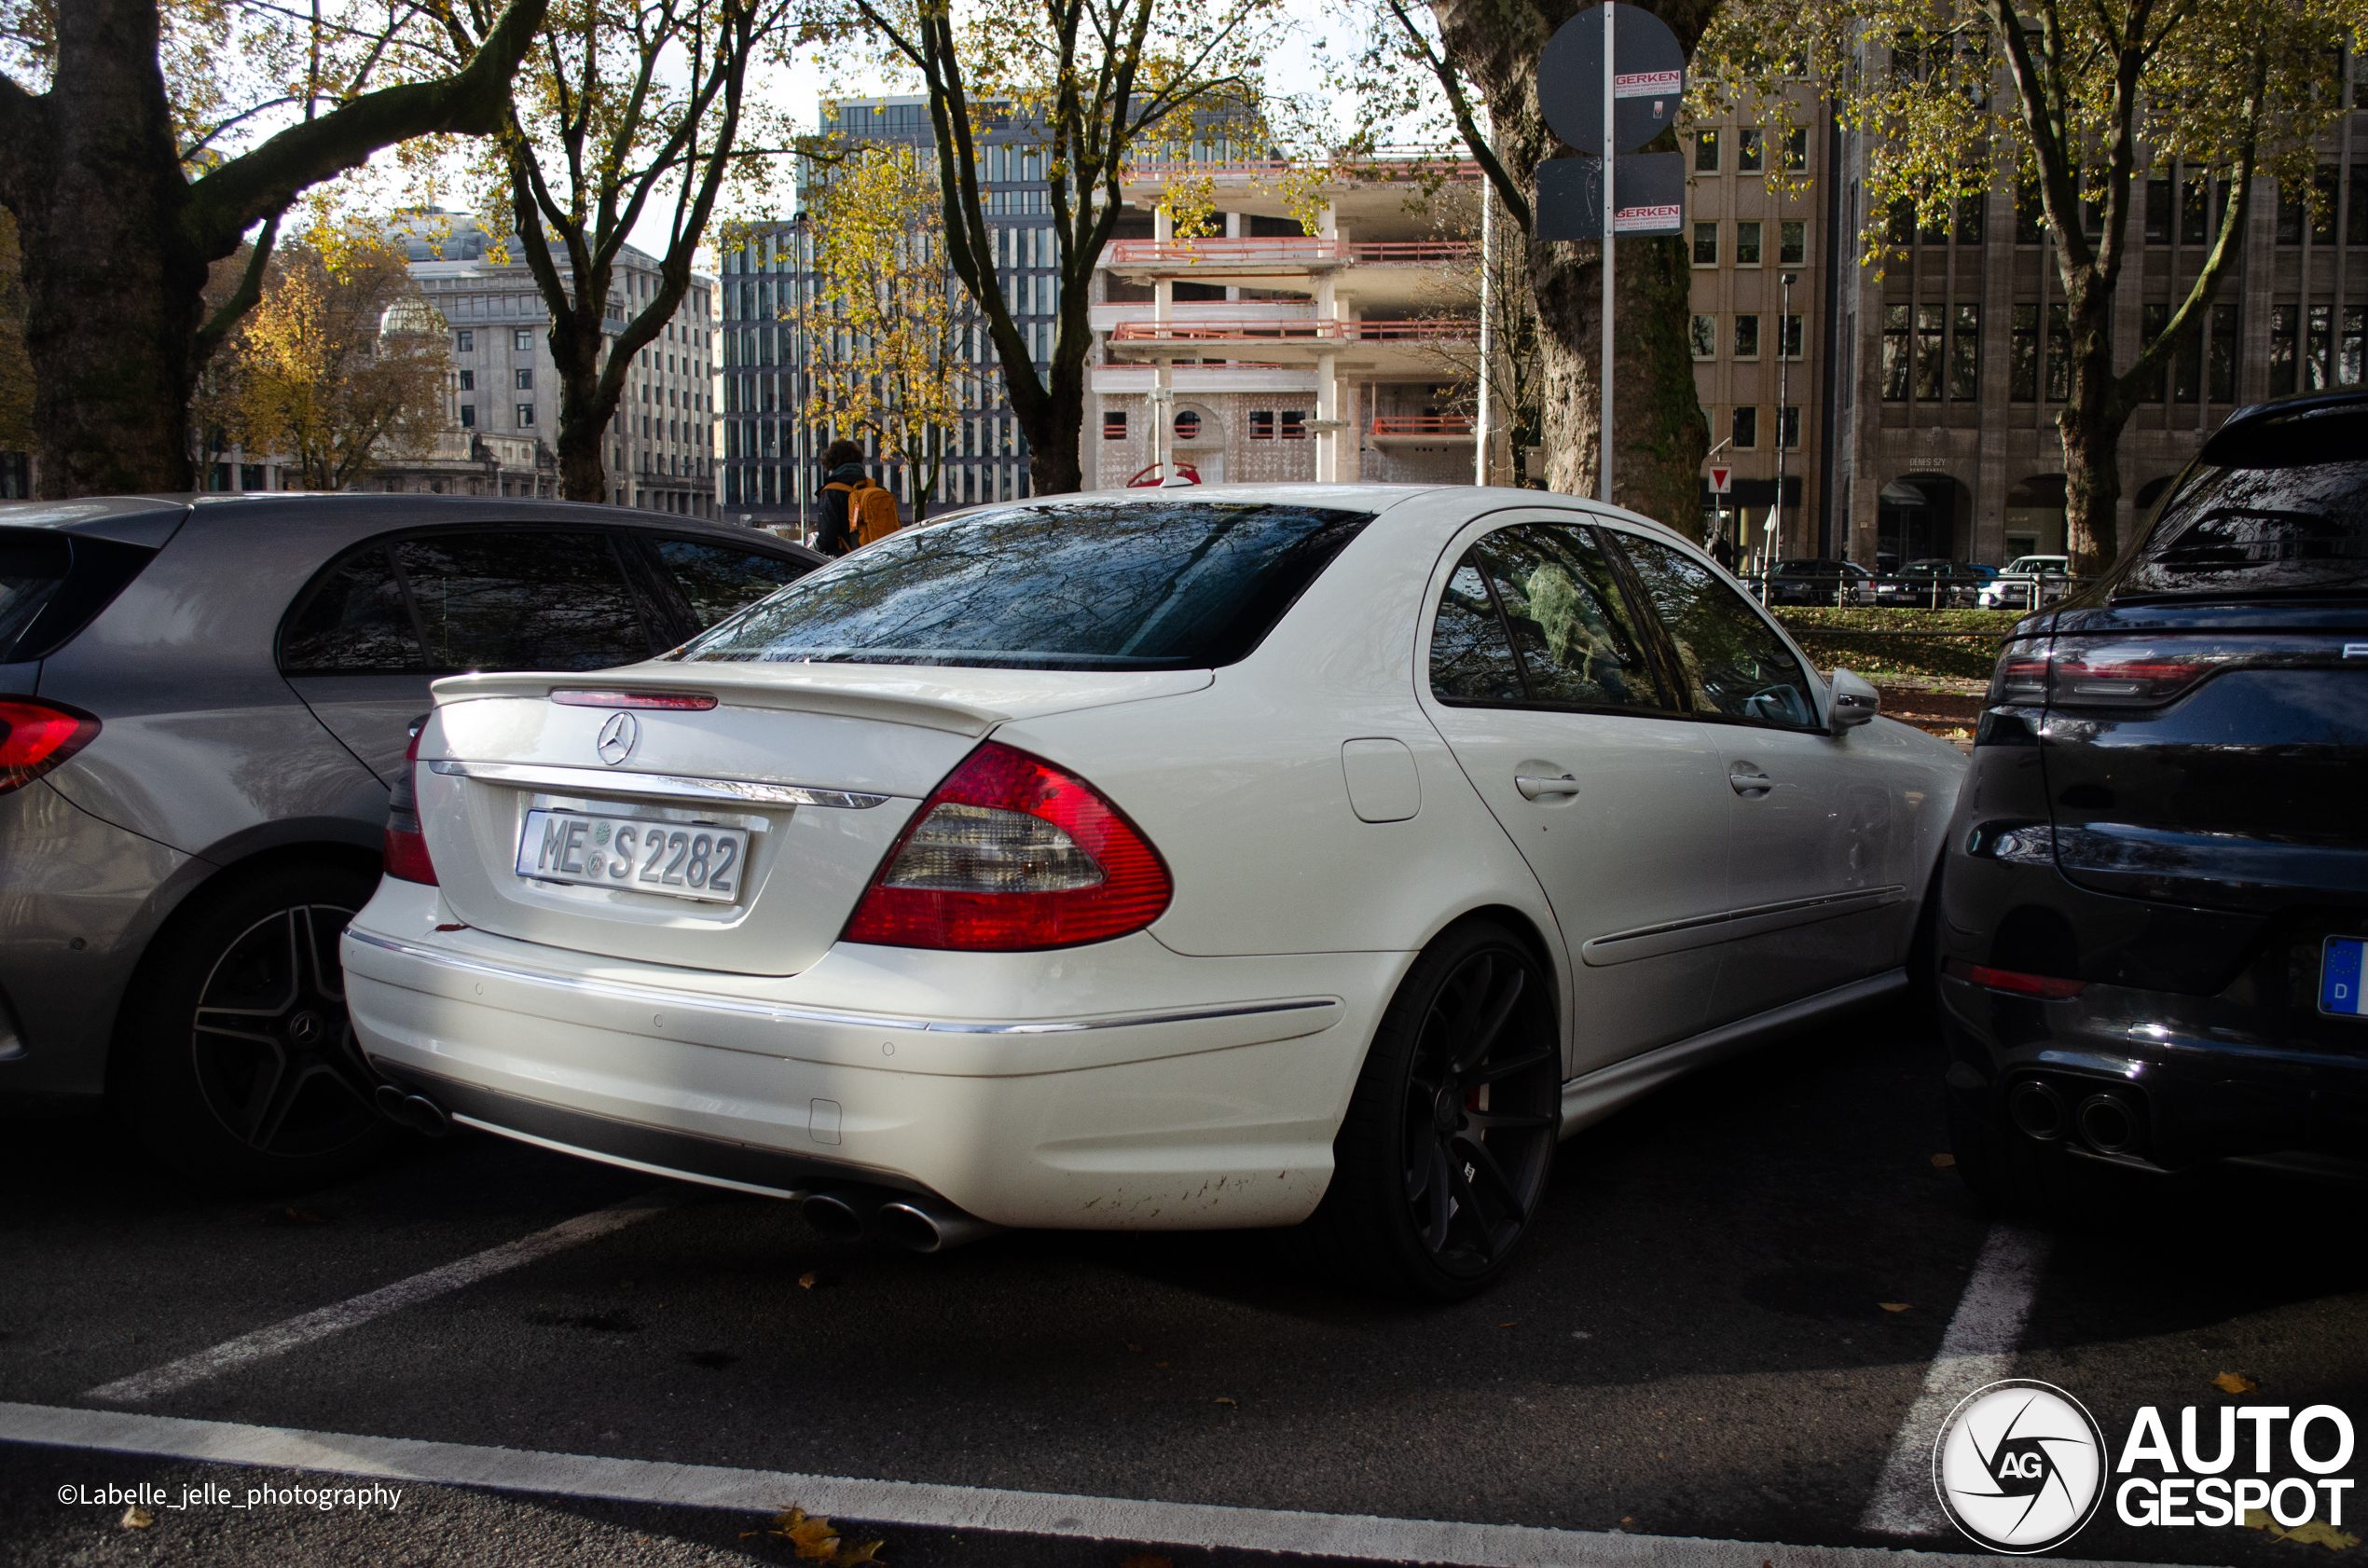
52 584
1733 662
718 581
2280 509
1566 636
1175 586
500 599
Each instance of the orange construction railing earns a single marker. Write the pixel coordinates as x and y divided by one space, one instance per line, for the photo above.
1421 424
1284 250
1295 329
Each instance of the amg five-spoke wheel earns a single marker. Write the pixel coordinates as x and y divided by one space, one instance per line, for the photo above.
1440 1165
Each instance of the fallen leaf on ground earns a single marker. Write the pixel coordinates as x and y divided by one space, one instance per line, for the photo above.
1944 1160
1507 1325
815 1541
1895 1306
806 1280
1223 1400
2318 1533
2233 1382
137 1518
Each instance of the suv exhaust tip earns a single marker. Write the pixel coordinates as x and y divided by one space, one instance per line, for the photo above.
418 1112
927 1225
2038 1110
2109 1125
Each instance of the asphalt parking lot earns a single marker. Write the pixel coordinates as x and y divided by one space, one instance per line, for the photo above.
1731 1312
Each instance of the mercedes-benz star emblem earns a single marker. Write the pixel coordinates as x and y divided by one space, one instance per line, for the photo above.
618 738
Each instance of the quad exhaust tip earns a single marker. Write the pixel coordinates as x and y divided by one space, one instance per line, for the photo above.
2038 1110
418 1112
911 1220
2107 1124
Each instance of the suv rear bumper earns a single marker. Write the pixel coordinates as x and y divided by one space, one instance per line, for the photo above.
1211 1101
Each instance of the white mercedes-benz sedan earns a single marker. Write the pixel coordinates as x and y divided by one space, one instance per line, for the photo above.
1226 857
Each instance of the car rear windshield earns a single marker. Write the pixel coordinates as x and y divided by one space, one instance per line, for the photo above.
1078 586
52 584
2281 509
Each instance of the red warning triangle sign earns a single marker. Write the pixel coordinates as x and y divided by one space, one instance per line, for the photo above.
1719 476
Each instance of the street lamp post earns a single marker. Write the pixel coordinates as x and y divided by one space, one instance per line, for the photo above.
1784 392
800 437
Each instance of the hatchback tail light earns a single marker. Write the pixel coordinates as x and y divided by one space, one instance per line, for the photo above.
1009 854
36 737
406 849
2020 678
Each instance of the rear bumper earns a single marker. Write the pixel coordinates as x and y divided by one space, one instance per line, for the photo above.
1116 1087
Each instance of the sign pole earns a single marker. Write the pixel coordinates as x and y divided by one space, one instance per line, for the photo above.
1611 211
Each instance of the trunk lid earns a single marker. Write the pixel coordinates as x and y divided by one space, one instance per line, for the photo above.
820 766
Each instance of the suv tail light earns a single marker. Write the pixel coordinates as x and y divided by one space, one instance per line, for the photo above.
1010 854
36 737
2046 987
2020 679
2142 672
407 849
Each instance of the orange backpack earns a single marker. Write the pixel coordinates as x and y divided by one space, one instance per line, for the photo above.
871 514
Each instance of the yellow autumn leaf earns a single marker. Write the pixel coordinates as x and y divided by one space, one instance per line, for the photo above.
1223 1400
813 1539
1895 1306
137 1518
2318 1533
1944 1160
808 1280
2233 1382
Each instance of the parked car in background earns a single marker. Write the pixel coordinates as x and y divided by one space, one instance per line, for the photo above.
1812 579
202 703
2154 913
2027 582
1934 584
1184 858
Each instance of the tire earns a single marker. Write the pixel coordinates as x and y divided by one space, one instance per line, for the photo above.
1442 1160
236 1060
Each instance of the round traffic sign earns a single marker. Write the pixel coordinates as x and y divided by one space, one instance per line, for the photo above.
1648 78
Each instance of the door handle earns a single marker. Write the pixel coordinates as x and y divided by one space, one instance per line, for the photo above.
1745 778
1533 786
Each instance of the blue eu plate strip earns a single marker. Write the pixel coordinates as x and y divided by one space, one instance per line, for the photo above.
2339 976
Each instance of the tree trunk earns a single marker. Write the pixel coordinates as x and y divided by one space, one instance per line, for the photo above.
587 403
1661 435
116 289
2091 426
1055 461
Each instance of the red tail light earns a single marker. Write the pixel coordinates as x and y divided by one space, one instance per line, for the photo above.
694 701
2021 675
1012 854
36 737
406 850
2045 988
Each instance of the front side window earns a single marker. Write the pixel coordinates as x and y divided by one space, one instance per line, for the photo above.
1082 586
1533 615
1733 663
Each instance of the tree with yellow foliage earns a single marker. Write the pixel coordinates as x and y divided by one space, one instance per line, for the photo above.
341 365
889 358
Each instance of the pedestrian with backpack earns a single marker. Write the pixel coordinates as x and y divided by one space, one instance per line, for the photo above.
855 511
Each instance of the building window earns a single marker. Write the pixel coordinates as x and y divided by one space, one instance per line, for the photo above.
1748 244
1894 353
1114 424
2283 320
1964 353
1788 336
2317 346
526 380
1747 336
2058 352
2348 367
2158 212
2030 214
1294 424
1704 337
1791 244
2194 216
468 416
468 380
2356 221
521 338
1796 150
1706 244
1751 151
1706 151
2022 354
2187 366
2221 357
2323 211
1745 428
1972 212
1788 427
1262 424
526 414
1931 322
465 342
1187 425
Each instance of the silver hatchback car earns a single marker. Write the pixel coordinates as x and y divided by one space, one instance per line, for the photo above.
202 702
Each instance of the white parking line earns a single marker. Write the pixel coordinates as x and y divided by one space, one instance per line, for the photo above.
294 1332
918 1505
1977 1349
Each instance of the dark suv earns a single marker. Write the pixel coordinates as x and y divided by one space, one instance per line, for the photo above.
2155 894
202 703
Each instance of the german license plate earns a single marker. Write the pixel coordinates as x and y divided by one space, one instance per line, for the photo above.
678 859
2341 969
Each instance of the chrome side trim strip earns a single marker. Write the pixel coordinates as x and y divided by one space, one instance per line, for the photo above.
1595 1095
624 990
671 786
1701 930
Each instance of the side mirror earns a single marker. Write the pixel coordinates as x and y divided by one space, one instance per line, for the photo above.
1852 703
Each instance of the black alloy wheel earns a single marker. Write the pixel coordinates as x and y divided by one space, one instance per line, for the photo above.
1443 1158
241 1065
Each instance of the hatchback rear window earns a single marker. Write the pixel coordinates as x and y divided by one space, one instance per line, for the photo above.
2276 509
52 584
1175 586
